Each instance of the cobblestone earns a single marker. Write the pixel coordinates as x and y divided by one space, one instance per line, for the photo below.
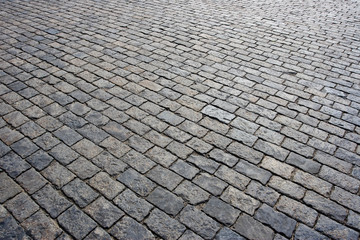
179 119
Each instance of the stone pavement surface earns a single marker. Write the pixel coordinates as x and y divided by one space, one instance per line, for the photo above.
189 119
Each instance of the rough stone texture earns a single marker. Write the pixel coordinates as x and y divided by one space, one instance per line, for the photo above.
280 222
136 207
335 230
21 206
51 201
128 228
106 185
39 226
164 226
76 222
221 211
199 222
9 228
227 234
137 182
303 232
252 229
166 201
108 105
104 212
80 192
191 193
8 188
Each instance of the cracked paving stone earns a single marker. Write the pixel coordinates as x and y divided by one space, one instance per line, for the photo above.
4 149
31 181
140 144
117 131
49 123
21 206
240 200
80 192
185 170
24 147
138 161
191 193
136 207
164 177
304 232
279 221
98 234
106 185
51 201
39 226
164 226
210 183
228 234
161 156
252 229
166 201
9 228
222 211
262 193
136 182
67 135
57 174
13 164
63 154
9 136
218 113
97 118
39 160
109 163
199 222
83 168
8 188
46 141
223 157
128 228
93 133
190 235
204 163
76 222
335 230
87 148
115 147
104 212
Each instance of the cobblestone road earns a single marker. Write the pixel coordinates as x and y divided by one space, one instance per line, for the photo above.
189 119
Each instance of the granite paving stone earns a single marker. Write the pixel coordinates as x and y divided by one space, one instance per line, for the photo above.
40 226
80 192
179 119
133 205
8 188
21 206
252 229
128 228
163 225
166 201
104 212
76 222
51 200
199 222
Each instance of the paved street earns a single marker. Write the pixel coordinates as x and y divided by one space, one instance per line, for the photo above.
179 119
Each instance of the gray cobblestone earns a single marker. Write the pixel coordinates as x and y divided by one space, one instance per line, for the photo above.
133 97
334 229
250 228
196 220
276 220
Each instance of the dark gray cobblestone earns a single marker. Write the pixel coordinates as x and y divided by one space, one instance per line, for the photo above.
189 119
